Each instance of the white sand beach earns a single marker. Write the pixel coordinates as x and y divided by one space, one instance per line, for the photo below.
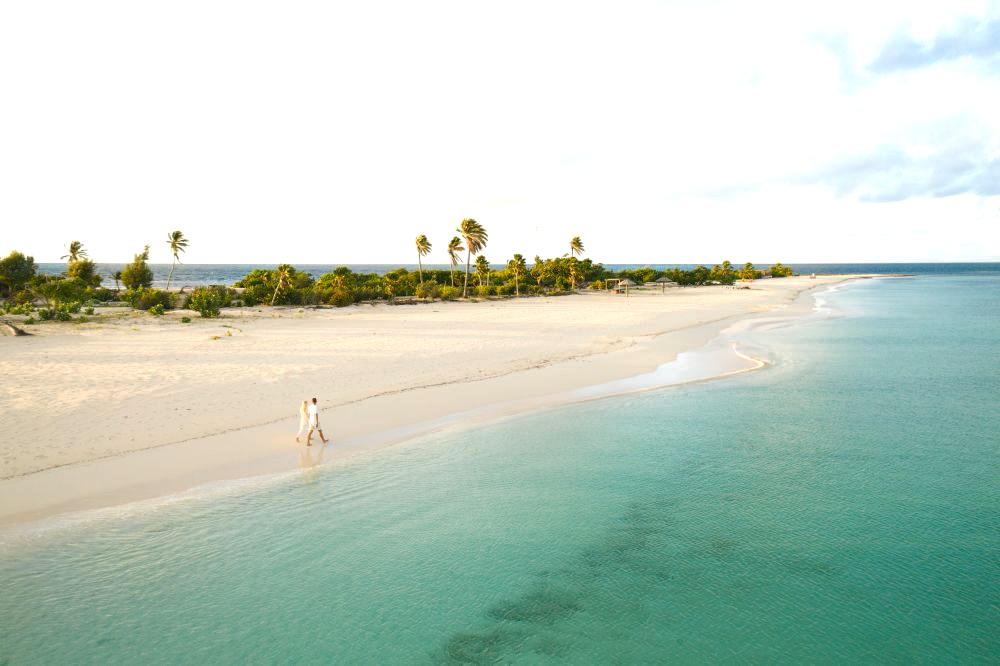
134 407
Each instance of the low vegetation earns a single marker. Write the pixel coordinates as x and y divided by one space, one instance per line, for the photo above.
58 297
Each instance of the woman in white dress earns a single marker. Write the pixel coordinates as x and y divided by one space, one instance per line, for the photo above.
303 419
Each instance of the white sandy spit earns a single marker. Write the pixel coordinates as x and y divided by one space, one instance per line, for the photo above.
134 406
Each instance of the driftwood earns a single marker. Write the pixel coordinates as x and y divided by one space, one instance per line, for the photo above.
10 329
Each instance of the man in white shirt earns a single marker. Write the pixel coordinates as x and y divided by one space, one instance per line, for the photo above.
313 411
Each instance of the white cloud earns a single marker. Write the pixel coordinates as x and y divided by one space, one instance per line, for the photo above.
336 132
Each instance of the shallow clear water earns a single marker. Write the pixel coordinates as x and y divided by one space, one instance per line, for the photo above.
842 506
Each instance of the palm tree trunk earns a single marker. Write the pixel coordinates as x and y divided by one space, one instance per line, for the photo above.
517 289
171 276
420 266
468 259
276 288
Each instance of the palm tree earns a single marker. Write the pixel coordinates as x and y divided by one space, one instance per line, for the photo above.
518 267
482 270
177 243
282 273
117 276
76 252
475 240
574 272
390 282
423 249
575 246
454 247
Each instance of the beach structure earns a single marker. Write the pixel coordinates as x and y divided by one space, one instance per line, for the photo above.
620 286
665 282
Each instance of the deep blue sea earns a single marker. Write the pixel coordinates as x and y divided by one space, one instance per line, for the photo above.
841 506
194 275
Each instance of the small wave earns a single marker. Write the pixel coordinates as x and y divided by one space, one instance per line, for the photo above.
22 534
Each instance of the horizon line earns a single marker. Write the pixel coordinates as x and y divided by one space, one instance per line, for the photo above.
605 263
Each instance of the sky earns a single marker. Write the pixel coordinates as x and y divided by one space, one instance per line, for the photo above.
658 132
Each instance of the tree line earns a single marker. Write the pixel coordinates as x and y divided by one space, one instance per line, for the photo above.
80 286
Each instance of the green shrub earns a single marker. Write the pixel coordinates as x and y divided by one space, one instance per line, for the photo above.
54 314
82 319
103 295
428 290
138 275
89 311
56 290
206 301
16 270
223 296
780 271
597 284
185 320
24 297
369 294
255 294
85 271
283 286
156 310
291 296
341 297
144 299
23 309
29 320
449 293
483 291
317 295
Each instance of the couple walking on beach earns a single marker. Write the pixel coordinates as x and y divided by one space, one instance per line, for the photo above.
309 419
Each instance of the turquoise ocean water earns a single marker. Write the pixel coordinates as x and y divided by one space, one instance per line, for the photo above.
839 507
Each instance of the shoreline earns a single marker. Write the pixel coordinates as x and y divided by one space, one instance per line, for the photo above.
397 415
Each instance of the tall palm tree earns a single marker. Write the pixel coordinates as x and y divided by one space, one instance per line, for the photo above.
518 267
282 273
475 240
177 243
76 252
454 247
575 246
423 249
